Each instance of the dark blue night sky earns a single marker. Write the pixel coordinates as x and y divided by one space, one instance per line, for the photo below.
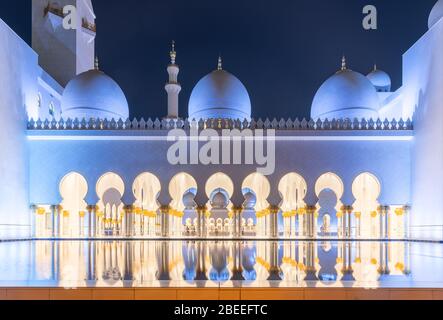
282 50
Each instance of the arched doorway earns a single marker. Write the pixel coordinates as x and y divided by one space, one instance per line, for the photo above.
293 189
73 190
366 189
329 189
110 189
327 214
255 219
183 188
219 189
146 189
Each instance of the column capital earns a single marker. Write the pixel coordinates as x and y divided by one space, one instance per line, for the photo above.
311 209
347 209
92 207
237 209
202 208
273 209
165 209
381 209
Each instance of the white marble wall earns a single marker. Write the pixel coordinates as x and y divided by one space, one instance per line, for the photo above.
423 98
18 92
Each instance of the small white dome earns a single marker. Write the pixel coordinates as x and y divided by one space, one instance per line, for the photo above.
219 200
219 95
250 201
93 94
381 80
436 14
346 95
188 200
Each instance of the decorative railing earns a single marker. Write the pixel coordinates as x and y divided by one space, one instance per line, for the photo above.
219 124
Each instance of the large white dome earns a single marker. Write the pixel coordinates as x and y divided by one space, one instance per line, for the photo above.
436 14
346 95
93 94
219 95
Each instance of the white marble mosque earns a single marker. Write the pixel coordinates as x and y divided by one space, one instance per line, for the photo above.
368 164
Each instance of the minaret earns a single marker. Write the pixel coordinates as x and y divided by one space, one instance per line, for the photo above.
173 88
343 64
220 63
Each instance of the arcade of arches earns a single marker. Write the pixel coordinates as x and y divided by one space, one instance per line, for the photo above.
292 218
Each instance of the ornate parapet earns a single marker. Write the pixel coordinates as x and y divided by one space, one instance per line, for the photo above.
219 124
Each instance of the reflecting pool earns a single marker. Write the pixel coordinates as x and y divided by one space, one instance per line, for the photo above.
222 263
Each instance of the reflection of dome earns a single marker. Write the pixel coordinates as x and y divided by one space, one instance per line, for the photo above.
219 95
436 14
347 94
93 94
250 201
380 79
219 200
188 200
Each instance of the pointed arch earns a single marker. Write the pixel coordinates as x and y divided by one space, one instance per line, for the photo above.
261 187
179 185
73 190
293 189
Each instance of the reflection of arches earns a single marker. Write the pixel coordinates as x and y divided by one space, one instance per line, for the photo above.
179 185
219 181
366 189
261 188
73 189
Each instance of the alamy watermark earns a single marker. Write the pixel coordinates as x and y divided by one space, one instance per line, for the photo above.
370 20
225 147
71 19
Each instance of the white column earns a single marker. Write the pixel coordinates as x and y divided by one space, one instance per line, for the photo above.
92 221
407 217
129 221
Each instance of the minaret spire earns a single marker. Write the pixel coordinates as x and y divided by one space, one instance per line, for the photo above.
220 63
343 63
173 54
173 88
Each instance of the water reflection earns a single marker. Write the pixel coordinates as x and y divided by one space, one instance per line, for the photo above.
228 263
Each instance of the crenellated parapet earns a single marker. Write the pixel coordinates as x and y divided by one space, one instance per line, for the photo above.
219 124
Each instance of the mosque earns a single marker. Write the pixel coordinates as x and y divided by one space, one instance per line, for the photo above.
368 164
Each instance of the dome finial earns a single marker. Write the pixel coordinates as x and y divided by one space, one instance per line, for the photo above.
375 66
343 63
96 65
220 63
173 54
